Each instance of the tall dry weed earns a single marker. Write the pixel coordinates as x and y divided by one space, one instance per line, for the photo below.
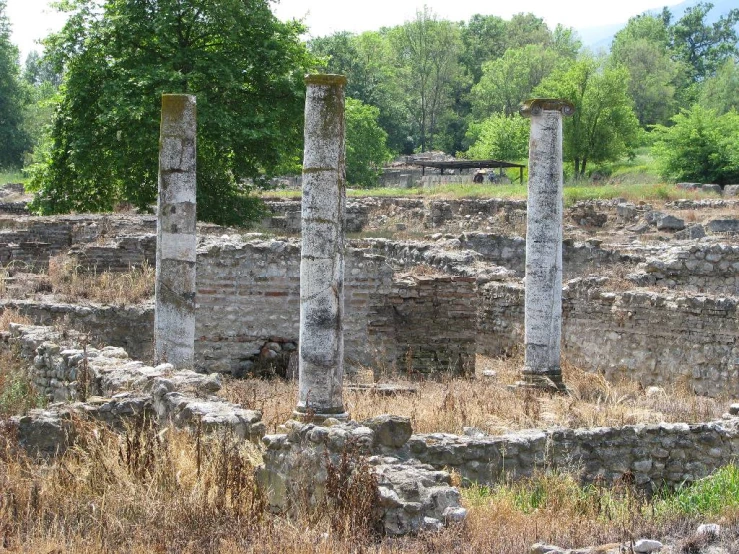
68 280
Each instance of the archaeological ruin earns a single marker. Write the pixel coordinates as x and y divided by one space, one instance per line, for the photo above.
329 293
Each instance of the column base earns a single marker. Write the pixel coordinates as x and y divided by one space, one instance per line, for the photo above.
310 416
550 381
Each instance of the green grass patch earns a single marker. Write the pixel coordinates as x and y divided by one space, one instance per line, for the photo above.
17 394
12 176
711 495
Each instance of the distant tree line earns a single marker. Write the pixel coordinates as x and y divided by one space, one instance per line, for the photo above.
83 118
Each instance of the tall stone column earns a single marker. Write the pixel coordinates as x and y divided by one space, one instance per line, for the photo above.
543 291
322 258
174 315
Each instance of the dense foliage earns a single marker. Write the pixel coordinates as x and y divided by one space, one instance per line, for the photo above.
90 120
700 146
604 126
366 144
13 138
245 67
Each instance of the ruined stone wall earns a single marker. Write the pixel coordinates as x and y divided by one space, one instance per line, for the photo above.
119 255
654 338
102 241
500 317
14 208
430 213
249 293
711 268
30 246
129 327
667 453
430 322
451 254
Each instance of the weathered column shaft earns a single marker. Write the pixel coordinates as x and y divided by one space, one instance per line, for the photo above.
174 316
322 257
543 291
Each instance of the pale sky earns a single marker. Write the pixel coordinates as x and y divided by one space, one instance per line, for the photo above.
34 19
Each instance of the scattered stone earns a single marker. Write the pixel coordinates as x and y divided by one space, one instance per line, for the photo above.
731 190
626 211
670 223
546 549
646 546
640 228
489 373
711 529
723 226
716 189
652 392
691 232
473 432
390 430
688 186
585 215
734 409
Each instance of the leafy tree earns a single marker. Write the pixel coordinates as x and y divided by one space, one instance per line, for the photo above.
526 28
367 62
13 138
39 70
244 66
509 80
42 85
566 42
604 126
721 92
652 74
366 144
642 47
500 137
700 146
427 52
703 47
483 39
644 27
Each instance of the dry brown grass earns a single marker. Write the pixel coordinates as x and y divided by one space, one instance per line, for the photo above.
488 403
156 490
163 491
67 280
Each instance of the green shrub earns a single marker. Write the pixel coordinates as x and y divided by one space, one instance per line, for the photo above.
701 146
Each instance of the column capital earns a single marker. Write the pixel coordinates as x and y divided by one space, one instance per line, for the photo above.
534 106
327 79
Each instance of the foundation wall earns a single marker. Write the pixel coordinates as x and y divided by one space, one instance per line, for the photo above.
654 338
655 455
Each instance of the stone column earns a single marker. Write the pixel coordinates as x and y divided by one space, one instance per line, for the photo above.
543 291
174 315
322 258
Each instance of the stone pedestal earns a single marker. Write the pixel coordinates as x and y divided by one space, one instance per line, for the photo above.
322 258
543 292
174 316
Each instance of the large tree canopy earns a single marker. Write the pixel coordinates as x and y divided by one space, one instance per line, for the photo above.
366 144
604 126
245 67
13 138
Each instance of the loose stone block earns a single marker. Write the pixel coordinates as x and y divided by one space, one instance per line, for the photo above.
543 293
174 316
321 345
